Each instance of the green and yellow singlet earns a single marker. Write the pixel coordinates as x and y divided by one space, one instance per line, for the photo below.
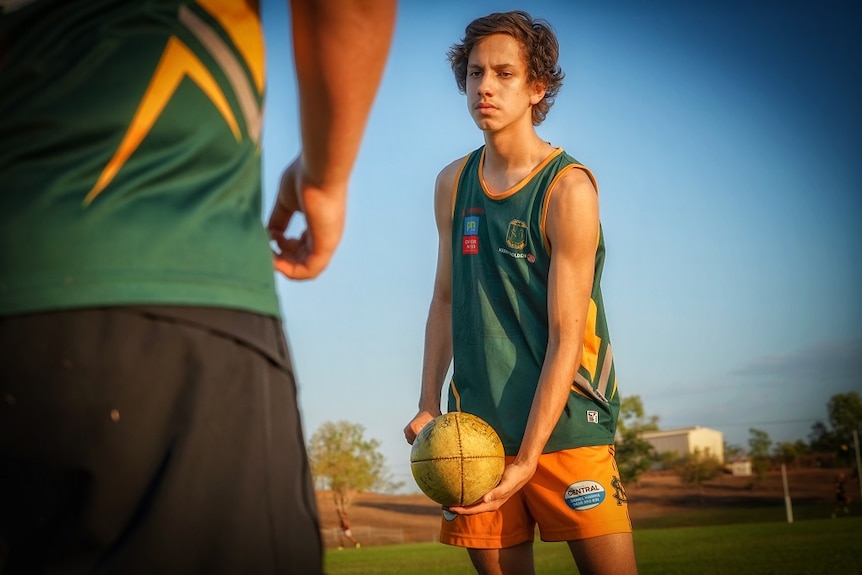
500 265
130 169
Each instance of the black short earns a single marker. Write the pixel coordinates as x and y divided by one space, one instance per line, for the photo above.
152 440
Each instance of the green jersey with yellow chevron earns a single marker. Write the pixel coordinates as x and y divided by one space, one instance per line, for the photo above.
500 264
130 169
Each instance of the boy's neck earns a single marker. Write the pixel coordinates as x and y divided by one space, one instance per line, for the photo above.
510 157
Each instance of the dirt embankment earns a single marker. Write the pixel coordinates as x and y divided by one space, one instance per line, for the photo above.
387 519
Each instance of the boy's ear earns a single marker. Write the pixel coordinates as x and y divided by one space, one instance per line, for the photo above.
539 89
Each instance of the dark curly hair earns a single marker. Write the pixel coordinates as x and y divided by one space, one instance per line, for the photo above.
539 46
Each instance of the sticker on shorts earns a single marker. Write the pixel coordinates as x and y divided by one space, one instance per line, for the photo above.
584 495
448 515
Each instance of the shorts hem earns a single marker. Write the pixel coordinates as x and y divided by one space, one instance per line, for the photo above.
471 542
608 528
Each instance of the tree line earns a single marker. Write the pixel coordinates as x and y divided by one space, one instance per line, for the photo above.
829 444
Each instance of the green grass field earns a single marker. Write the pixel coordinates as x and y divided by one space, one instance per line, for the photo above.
728 543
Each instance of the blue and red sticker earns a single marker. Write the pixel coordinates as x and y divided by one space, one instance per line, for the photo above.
470 239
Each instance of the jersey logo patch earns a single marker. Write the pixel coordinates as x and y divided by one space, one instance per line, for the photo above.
470 241
516 235
471 226
470 245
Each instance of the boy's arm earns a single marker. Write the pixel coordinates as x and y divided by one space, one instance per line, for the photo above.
438 328
340 48
573 229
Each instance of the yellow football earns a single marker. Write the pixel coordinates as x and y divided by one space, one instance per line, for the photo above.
457 458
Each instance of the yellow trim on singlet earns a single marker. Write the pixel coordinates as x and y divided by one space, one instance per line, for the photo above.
524 181
241 21
177 62
592 342
455 394
248 96
455 183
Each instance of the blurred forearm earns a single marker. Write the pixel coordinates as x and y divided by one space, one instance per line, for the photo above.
340 48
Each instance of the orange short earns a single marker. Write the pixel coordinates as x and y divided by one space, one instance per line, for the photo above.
575 494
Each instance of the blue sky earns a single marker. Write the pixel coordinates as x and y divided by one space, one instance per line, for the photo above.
726 140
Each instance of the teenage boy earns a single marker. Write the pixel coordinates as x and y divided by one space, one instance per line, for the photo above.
517 303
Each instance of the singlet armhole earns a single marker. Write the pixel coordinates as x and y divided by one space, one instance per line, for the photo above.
457 181
547 200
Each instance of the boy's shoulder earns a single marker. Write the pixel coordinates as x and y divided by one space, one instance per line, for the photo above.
453 168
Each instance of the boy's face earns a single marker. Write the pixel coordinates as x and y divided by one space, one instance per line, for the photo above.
498 91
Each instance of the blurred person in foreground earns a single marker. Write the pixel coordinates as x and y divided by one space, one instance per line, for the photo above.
148 417
517 304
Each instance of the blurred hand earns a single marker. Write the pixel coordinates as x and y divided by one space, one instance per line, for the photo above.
420 420
308 255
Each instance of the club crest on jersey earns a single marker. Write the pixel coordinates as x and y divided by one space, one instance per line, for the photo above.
516 239
516 235
584 495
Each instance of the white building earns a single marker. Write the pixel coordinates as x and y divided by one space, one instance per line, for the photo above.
687 440
741 467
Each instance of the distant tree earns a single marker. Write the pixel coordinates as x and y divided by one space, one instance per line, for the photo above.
668 459
633 416
696 467
758 447
634 455
732 452
822 439
845 415
343 461
758 443
788 452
